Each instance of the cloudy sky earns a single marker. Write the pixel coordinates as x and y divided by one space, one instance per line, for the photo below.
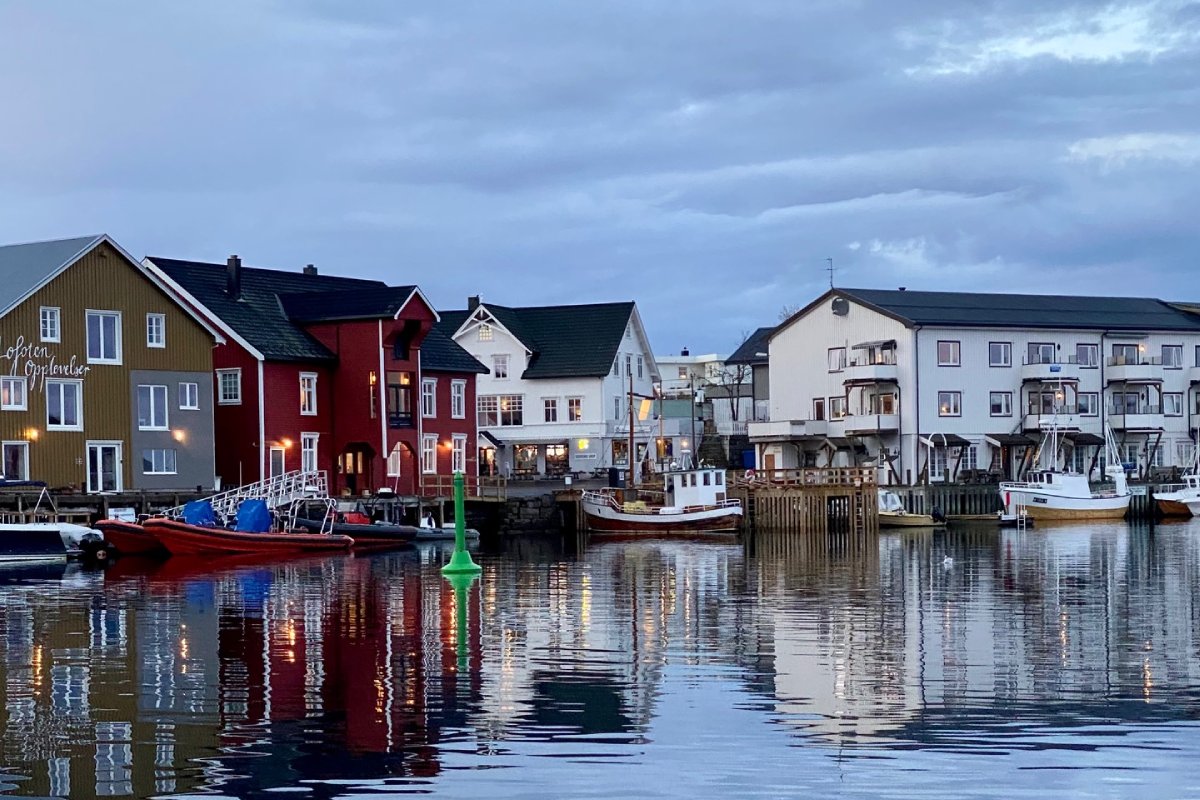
703 158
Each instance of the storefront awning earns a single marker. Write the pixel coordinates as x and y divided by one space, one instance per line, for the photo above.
488 437
886 344
1084 439
1008 440
944 440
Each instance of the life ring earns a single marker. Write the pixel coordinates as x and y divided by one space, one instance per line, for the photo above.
750 475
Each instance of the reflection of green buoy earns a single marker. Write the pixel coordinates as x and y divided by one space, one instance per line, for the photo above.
461 582
461 562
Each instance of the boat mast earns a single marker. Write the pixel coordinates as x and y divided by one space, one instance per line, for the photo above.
630 471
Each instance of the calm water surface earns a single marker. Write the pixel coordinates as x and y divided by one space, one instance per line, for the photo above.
1053 663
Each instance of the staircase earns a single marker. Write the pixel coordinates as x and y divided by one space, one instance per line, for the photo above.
280 490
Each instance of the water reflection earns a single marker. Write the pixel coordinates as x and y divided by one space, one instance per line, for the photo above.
646 661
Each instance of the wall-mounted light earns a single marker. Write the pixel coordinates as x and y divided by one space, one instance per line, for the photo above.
32 434
374 378
287 443
582 444
179 435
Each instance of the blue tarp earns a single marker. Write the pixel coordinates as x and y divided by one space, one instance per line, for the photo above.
253 516
199 512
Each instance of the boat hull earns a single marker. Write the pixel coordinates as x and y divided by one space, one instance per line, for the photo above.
1173 508
129 538
605 519
366 535
1077 508
180 539
887 520
35 541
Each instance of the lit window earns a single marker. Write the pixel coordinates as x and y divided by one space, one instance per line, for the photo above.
13 394
574 409
104 337
16 461
458 455
156 330
950 404
308 394
485 332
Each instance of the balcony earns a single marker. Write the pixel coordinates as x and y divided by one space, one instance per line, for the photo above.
1194 376
1038 418
1141 418
871 423
786 430
400 419
1139 369
1050 369
881 369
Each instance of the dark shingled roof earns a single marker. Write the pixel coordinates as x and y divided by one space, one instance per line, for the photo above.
440 353
567 341
749 351
258 317
968 309
369 303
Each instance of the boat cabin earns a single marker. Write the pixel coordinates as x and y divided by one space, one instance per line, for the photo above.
695 487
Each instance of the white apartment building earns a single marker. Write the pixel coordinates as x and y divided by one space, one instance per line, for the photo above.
685 372
945 386
556 397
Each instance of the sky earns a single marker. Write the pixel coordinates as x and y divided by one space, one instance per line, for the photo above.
702 158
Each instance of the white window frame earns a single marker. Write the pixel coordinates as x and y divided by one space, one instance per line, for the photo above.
836 359
1175 396
119 450
550 409
957 357
1006 351
955 409
429 442
429 398
161 340
165 423
578 401
616 408
458 453
164 471
7 383
500 362
24 446
640 366
485 332
1093 358
60 384
101 313
189 398
309 451
236 373
458 399
271 460
1095 404
53 315
308 394
394 460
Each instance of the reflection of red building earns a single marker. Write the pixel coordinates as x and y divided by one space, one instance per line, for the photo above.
330 373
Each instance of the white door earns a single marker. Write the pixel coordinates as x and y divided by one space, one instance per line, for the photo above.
277 468
104 467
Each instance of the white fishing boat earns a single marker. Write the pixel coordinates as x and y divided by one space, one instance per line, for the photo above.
694 502
1050 493
1182 499
893 515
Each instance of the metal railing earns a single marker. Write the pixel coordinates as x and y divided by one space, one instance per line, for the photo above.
879 361
604 497
277 491
489 487
805 476
1122 411
1037 409
1136 361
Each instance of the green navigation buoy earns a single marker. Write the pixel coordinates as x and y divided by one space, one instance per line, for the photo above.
461 582
461 562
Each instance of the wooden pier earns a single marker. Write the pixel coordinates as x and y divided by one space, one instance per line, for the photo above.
808 501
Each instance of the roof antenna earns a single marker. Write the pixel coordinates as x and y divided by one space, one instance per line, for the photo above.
829 269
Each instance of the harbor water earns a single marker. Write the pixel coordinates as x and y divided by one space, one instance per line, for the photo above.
1059 662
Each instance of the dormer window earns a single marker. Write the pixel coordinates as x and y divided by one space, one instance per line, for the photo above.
485 332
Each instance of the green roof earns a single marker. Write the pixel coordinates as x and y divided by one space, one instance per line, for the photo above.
575 341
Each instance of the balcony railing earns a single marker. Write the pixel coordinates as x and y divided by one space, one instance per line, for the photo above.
886 359
1137 361
400 419
1049 411
1129 411
1054 358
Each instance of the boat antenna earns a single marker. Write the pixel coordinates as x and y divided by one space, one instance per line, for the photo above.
629 459
829 269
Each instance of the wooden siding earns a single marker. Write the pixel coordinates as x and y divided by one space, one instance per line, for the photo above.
101 280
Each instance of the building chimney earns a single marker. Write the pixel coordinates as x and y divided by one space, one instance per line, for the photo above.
233 277
472 302
309 269
684 352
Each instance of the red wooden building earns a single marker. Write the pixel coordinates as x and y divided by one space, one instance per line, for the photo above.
338 374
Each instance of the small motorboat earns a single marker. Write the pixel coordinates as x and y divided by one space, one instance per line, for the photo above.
48 541
893 515
129 538
430 531
361 529
180 538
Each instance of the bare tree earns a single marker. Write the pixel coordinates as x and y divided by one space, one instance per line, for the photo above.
731 378
787 311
